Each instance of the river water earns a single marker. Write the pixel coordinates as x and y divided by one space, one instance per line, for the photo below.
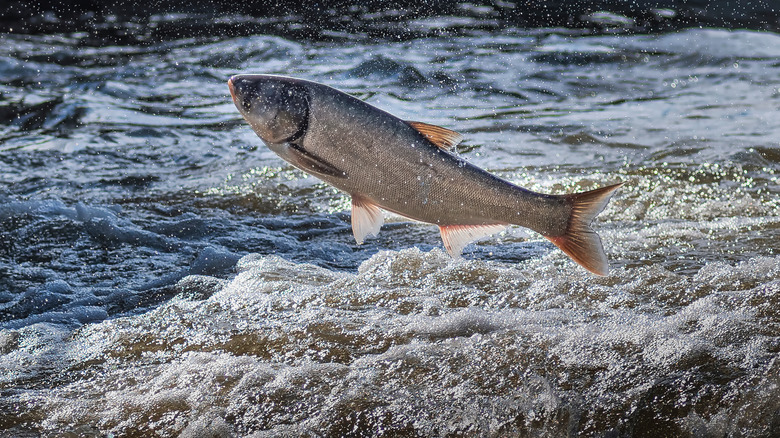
163 273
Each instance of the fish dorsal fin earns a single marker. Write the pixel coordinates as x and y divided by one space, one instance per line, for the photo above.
456 237
441 137
366 219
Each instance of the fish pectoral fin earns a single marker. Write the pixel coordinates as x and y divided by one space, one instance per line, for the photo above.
367 219
309 162
456 237
441 137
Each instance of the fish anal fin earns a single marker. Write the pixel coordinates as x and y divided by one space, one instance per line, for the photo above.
579 241
367 219
309 162
456 237
442 137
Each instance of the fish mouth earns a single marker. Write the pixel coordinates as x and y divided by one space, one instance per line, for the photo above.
232 88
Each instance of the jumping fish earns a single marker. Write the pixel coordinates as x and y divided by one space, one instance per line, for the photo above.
404 167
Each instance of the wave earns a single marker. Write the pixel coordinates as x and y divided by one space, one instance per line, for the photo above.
288 347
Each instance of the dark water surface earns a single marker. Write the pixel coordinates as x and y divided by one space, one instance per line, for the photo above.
163 273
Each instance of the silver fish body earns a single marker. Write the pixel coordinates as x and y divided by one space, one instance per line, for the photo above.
387 163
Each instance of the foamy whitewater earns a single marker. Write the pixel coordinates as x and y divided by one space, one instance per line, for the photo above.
162 273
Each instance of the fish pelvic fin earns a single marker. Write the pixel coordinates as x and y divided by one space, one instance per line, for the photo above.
367 219
456 237
579 241
441 137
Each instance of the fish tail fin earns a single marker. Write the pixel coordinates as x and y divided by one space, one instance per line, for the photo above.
579 241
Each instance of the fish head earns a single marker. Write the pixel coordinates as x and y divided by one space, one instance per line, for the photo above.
276 107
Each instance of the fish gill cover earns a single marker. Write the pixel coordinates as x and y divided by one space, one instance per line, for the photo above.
163 273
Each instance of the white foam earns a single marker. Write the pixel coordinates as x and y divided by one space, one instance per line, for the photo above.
284 349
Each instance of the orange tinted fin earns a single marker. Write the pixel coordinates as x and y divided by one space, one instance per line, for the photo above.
366 219
441 137
456 237
579 241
